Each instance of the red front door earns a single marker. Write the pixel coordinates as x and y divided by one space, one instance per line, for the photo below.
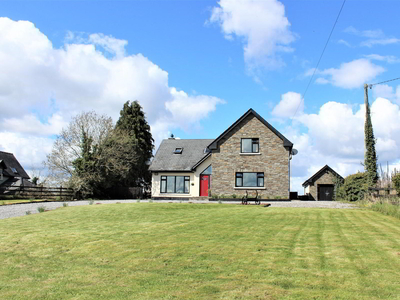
204 185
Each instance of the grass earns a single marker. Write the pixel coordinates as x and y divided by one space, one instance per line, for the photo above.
385 205
194 251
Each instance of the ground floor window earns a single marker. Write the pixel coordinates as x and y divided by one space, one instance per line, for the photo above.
249 179
175 184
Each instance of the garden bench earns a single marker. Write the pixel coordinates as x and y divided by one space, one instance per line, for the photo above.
246 199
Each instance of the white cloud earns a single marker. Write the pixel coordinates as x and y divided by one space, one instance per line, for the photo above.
352 74
263 27
391 59
47 86
377 33
375 37
386 91
335 136
343 42
29 150
385 41
289 104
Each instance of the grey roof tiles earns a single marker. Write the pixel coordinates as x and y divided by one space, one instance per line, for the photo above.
166 160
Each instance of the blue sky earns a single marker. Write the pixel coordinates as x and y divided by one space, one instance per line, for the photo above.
197 66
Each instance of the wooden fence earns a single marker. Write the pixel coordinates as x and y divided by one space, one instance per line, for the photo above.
37 192
382 192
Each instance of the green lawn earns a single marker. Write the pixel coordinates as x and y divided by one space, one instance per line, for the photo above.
194 251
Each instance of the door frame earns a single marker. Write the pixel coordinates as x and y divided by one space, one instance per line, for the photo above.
324 185
209 184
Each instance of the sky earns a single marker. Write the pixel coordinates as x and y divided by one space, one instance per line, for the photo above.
197 66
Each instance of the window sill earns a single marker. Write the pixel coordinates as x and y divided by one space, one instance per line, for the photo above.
249 187
249 153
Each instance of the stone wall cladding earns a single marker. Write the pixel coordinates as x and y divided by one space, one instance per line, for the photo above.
272 161
326 178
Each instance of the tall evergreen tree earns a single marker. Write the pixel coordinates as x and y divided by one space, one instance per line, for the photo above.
133 121
370 160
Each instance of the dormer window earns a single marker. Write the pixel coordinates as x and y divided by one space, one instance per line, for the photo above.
14 170
178 150
250 145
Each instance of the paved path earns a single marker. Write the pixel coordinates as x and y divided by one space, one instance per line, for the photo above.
18 210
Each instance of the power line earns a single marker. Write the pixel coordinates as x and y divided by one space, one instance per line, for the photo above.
319 60
370 85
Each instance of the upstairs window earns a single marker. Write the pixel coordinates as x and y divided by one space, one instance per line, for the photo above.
178 150
250 145
249 179
14 170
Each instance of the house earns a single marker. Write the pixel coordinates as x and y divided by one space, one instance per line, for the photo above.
321 185
249 156
11 172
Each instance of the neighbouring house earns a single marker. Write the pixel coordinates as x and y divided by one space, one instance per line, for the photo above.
11 172
321 185
249 156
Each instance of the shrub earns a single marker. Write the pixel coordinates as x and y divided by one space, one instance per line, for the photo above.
65 204
388 207
234 196
396 183
28 212
41 209
355 187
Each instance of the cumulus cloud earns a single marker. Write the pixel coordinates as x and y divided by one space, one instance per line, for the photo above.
335 136
261 25
48 85
350 75
386 91
289 104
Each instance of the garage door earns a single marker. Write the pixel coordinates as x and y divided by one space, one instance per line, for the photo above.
325 192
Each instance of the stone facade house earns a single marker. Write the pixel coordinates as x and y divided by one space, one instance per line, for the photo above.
11 172
249 156
321 185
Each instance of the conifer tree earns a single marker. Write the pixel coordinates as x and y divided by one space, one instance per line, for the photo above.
132 120
370 160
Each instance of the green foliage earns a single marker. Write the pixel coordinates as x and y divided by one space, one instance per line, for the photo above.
396 183
338 182
133 121
388 207
65 204
234 196
28 212
354 188
35 180
370 160
41 209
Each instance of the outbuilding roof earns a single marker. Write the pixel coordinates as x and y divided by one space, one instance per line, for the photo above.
168 159
319 173
12 167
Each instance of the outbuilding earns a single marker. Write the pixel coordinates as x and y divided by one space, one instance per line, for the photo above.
321 185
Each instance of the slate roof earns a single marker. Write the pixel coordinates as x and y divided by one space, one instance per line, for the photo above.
286 142
319 173
9 161
166 160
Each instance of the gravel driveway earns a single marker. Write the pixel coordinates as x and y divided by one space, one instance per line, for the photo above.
18 210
